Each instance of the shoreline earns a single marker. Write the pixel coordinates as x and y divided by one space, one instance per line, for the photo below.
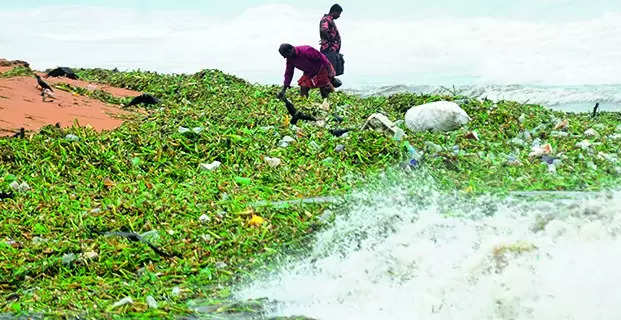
152 178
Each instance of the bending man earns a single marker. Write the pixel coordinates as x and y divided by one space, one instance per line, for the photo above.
318 71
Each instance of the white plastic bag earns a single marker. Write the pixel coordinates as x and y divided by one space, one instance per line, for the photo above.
437 116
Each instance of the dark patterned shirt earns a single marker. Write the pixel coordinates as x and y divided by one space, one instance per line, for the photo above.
330 37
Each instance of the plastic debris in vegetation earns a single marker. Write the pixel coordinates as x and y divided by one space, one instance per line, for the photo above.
69 258
210 166
436 116
414 157
538 151
273 162
72 137
122 302
339 148
562 125
513 161
518 142
522 118
433 147
286 141
380 123
584 145
151 302
592 133
20 187
204 219
472 135
559 134
399 134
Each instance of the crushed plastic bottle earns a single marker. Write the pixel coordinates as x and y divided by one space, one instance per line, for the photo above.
413 155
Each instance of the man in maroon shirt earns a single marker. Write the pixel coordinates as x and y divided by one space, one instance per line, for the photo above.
318 71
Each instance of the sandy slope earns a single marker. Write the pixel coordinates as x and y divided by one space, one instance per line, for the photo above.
21 105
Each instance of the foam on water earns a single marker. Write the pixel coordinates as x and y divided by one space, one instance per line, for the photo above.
564 98
404 251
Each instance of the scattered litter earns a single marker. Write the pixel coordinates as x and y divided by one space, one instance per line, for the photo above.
339 148
513 161
95 211
399 134
183 130
204 219
592 133
69 258
171 232
285 141
91 255
122 302
618 129
220 265
72 137
518 142
608 157
273 162
320 123
549 160
562 125
473 135
559 134
198 130
456 150
591 165
210 166
436 116
434 148
14 185
176 291
151 302
381 123
584 144
315 146
525 135
413 153
522 118
615 137
538 151
152 235
20 187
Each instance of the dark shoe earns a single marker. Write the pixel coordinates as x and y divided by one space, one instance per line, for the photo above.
336 82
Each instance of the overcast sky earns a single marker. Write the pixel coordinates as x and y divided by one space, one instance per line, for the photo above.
439 42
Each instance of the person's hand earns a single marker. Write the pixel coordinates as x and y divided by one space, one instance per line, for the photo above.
281 94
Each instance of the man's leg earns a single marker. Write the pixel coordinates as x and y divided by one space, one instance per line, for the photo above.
325 92
304 91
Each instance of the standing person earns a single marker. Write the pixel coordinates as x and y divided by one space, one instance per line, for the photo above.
331 40
318 71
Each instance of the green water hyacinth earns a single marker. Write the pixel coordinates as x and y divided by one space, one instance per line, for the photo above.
146 177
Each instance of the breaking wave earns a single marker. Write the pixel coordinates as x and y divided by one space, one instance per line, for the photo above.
402 250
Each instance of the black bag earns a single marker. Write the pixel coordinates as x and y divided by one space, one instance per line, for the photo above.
338 62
